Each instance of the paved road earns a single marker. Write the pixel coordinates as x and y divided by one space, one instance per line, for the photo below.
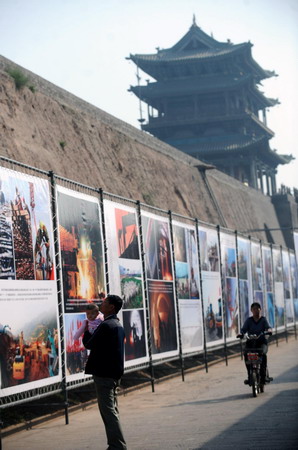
208 411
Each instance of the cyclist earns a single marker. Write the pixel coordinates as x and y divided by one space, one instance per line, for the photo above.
257 324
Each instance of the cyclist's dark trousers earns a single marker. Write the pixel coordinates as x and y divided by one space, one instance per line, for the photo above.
263 349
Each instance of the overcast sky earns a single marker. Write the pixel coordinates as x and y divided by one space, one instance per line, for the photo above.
81 46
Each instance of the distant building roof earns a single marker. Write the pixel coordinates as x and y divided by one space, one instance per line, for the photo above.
197 46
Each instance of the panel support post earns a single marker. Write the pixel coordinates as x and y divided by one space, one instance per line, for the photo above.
59 294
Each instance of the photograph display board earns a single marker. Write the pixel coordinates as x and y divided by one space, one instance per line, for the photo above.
188 287
288 296
278 288
268 285
81 249
294 280
29 325
160 282
230 284
244 274
126 278
211 285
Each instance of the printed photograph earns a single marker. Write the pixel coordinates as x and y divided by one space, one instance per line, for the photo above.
232 313
259 297
286 275
243 258
244 300
131 283
230 262
127 234
179 243
268 269
81 252
183 281
193 260
209 250
76 353
26 240
28 342
277 265
257 276
135 338
212 308
157 249
162 317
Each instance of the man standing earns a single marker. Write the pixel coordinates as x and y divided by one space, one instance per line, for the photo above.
106 364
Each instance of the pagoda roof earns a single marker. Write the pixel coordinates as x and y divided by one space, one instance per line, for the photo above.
214 145
205 84
195 46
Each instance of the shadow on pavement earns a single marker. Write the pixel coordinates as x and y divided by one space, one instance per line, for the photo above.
271 426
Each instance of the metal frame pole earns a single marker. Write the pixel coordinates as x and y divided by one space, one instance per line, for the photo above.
223 296
59 294
238 284
146 295
104 237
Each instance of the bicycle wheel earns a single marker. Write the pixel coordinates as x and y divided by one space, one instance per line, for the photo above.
254 384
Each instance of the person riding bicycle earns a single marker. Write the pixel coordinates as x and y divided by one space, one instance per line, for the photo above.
256 324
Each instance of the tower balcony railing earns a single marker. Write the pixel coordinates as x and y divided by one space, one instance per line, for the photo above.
185 118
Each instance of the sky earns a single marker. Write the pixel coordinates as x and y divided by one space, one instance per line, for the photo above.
82 45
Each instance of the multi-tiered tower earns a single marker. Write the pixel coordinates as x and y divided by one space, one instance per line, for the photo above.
206 102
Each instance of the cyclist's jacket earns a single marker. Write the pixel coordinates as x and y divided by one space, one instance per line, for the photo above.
252 327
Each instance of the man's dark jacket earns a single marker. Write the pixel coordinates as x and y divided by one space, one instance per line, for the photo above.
106 357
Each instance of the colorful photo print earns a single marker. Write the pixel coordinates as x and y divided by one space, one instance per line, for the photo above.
131 283
286 274
186 262
244 300
191 325
268 269
232 312
209 252
162 317
294 275
179 243
76 353
259 298
243 258
256 267
127 234
277 265
28 341
270 309
26 241
193 261
81 251
135 337
182 276
157 249
229 262
212 301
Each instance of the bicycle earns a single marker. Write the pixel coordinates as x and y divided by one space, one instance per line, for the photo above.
253 361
